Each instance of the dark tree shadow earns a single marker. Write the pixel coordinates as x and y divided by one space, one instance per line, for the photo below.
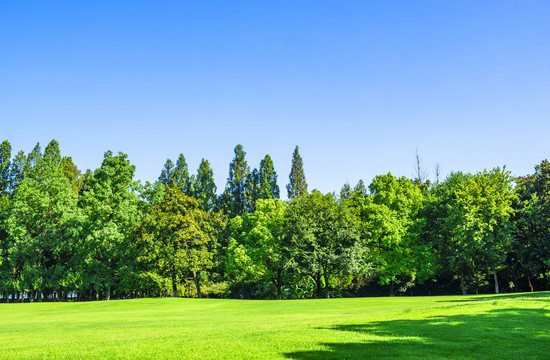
501 297
511 333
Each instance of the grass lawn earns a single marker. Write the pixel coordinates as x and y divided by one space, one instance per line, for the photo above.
450 327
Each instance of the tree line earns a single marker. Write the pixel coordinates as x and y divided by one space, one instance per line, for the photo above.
67 234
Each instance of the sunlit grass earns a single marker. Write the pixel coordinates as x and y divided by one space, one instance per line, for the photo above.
472 327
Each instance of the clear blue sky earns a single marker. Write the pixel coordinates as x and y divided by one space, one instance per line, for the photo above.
358 85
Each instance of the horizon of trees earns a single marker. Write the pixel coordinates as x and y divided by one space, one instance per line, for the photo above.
68 234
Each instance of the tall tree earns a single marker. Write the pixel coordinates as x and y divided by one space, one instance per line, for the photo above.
233 199
44 225
205 187
360 188
252 190
177 237
5 160
167 174
386 217
297 185
257 250
33 157
485 201
112 209
181 178
52 152
18 170
71 172
324 239
345 192
532 237
268 180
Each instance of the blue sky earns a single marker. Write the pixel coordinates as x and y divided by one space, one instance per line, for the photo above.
358 85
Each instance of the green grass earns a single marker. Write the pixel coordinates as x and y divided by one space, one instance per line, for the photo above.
469 327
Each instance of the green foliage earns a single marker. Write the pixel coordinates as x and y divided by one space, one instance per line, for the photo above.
44 225
52 153
167 174
5 160
386 216
256 250
63 232
268 180
178 237
532 235
71 172
297 185
233 201
324 239
181 179
205 187
112 211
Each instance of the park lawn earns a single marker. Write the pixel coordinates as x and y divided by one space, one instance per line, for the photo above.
445 327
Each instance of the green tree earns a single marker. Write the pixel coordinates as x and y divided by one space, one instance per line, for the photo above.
485 203
323 238
71 172
44 224
52 153
181 178
18 170
268 180
297 185
205 187
112 209
345 192
5 160
257 250
532 237
33 157
233 200
386 217
252 190
178 237
167 174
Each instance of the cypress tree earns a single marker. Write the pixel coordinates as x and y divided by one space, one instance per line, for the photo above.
5 157
297 186
181 178
167 174
233 199
52 153
252 190
33 157
18 170
268 180
205 187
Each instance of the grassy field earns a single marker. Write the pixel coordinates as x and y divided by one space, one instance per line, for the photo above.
466 327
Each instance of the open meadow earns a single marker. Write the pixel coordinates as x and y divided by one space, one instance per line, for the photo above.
456 327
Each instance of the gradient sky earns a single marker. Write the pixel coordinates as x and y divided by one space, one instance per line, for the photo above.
358 85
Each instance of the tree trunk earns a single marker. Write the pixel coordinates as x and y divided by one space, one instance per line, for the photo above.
462 284
317 279
279 284
327 289
530 284
545 279
174 284
515 278
108 297
496 280
392 294
197 284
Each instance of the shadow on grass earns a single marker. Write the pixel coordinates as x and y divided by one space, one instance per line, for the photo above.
511 333
545 294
